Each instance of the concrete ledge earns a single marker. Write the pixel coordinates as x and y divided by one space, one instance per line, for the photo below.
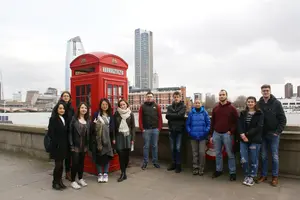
29 140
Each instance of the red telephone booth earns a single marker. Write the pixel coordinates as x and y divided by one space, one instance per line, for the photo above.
94 76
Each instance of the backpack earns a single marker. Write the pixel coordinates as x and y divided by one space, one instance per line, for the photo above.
47 142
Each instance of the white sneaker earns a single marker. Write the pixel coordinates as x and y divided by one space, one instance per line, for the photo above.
245 180
250 181
82 183
105 178
75 185
100 178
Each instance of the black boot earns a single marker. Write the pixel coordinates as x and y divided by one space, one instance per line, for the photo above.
122 177
62 185
172 167
178 168
56 186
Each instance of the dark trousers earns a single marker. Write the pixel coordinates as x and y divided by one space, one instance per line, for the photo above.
58 171
68 162
123 159
77 165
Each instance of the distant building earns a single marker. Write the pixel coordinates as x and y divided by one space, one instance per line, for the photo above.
162 96
74 49
288 91
51 91
198 96
143 59
298 91
31 96
155 81
17 96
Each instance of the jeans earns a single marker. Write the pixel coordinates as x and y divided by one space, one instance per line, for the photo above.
198 148
249 155
175 143
151 137
220 139
272 141
102 169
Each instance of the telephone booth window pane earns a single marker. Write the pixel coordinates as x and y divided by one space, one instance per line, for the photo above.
115 104
88 101
77 101
83 90
115 90
89 89
77 90
109 99
120 91
109 90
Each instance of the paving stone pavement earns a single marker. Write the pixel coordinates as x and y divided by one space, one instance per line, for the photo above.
29 179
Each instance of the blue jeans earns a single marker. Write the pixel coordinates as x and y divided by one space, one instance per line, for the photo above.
272 141
175 142
220 139
102 169
249 154
151 137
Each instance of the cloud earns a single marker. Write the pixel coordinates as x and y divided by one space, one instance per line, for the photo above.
204 45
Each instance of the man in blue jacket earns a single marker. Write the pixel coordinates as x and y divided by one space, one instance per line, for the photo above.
198 126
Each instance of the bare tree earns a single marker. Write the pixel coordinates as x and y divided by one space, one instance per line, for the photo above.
240 102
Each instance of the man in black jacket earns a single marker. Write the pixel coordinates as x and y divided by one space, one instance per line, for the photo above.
176 121
274 123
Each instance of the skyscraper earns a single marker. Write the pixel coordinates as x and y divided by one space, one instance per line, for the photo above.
74 49
298 91
143 59
288 90
155 81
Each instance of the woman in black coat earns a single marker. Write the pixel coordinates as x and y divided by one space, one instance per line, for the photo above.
250 127
57 131
124 135
69 113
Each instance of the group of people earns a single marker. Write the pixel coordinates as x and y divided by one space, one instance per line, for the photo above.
257 128
254 131
73 135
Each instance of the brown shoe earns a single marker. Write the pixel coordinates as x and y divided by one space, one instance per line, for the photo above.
68 176
261 179
274 181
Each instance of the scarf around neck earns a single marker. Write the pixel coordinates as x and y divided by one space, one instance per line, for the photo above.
123 125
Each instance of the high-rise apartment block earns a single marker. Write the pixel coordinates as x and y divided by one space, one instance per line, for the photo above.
143 59
288 91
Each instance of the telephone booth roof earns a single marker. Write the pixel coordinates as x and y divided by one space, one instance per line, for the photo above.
98 57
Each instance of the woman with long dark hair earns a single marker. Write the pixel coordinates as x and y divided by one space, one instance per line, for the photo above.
69 113
79 140
124 135
250 127
101 146
57 131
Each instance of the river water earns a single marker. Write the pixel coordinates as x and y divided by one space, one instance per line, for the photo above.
41 119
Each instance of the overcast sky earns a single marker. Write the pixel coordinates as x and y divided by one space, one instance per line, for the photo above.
204 45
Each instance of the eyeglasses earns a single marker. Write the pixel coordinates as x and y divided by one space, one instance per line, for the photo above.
265 90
